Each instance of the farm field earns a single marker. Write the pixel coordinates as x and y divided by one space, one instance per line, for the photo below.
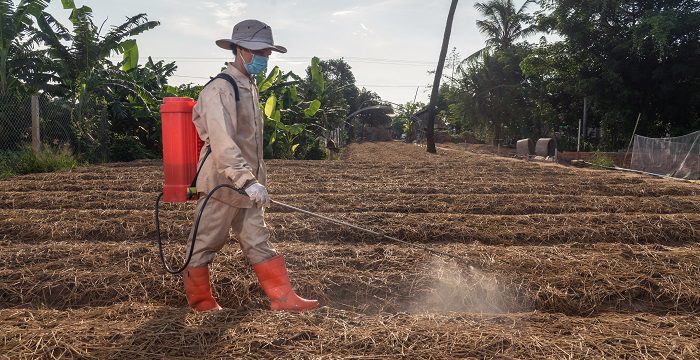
562 263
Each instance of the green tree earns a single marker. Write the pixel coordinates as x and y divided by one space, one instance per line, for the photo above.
635 57
495 86
136 120
502 25
87 76
17 51
367 98
488 98
554 92
295 121
402 122
340 95
82 52
369 113
341 81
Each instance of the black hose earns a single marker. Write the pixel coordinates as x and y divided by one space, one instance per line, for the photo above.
242 192
194 231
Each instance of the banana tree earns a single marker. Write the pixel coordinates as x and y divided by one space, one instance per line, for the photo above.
135 115
16 41
83 51
288 118
87 75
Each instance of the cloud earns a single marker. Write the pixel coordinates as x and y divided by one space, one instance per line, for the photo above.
344 12
364 32
226 13
188 26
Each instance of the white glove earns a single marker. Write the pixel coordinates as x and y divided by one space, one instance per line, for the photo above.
258 194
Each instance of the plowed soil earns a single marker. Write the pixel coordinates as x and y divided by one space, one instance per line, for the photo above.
559 263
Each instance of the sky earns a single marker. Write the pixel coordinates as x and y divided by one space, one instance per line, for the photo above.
391 45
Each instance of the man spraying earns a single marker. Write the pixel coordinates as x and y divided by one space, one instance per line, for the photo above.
229 120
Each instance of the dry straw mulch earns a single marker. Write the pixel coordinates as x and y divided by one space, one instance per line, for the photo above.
575 279
561 263
137 331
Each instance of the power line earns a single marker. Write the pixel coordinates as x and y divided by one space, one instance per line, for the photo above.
352 61
361 85
381 61
392 86
297 58
191 77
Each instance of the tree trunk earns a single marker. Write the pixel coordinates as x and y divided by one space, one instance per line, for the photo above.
430 131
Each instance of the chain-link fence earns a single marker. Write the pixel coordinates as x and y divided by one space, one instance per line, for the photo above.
83 126
15 121
55 122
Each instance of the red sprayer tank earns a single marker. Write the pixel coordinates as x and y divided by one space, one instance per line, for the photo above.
181 145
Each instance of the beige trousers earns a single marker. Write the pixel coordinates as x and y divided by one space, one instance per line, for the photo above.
248 226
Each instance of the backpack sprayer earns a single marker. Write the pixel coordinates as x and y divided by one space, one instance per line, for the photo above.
181 149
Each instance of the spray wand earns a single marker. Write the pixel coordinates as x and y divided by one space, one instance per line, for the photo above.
290 207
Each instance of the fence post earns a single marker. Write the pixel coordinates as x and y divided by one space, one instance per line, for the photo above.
578 138
36 140
103 135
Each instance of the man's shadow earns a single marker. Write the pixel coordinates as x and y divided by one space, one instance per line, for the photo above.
180 333
175 331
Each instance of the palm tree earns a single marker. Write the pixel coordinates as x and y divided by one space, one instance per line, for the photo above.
430 131
503 25
16 40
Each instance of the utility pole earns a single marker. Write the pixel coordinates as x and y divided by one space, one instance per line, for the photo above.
430 131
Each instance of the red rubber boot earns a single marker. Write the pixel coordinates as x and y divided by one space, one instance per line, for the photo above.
272 275
198 289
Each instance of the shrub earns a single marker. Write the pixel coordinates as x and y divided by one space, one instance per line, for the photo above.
25 161
128 148
6 161
316 152
601 160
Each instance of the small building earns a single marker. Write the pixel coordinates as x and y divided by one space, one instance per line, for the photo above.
420 124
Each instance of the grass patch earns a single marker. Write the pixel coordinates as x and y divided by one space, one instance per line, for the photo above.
25 161
601 160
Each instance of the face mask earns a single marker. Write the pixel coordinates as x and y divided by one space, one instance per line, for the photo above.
257 65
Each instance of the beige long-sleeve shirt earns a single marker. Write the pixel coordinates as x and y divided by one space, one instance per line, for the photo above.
234 131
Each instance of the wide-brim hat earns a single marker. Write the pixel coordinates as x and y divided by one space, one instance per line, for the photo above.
252 35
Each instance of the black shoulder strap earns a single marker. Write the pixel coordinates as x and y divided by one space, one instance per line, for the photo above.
206 155
233 83
230 80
